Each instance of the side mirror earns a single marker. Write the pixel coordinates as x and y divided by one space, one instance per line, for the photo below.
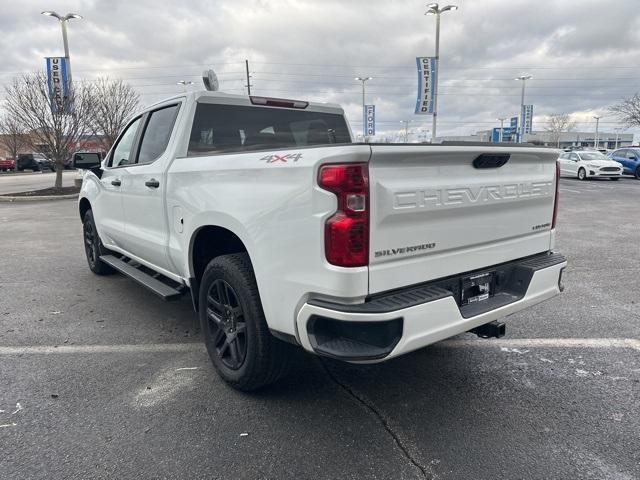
86 160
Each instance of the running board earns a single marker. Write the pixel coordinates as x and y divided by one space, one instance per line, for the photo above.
161 289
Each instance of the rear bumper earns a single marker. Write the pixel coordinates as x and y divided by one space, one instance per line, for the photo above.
393 324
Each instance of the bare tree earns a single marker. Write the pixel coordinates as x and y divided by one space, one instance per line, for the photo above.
558 123
628 110
12 136
114 102
57 133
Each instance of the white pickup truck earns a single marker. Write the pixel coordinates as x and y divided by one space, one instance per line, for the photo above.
285 232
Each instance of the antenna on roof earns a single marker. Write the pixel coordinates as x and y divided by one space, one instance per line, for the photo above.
210 80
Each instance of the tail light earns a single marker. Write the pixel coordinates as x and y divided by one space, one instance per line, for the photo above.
346 233
555 199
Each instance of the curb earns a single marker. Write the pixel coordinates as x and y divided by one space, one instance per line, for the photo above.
36 198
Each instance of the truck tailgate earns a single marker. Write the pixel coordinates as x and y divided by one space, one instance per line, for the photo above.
435 214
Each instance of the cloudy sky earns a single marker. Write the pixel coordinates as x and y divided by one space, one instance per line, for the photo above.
584 55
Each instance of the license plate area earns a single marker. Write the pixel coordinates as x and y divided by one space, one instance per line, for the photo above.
477 288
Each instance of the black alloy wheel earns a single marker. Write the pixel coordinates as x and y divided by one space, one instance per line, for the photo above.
93 247
226 324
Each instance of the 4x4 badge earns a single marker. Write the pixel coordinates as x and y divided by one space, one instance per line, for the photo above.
272 158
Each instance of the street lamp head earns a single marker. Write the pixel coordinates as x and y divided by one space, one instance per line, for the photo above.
449 8
50 13
68 16
524 77
363 79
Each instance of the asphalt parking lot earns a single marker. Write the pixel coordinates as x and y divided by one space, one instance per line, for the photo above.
100 379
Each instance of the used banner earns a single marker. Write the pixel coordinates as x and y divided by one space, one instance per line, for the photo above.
58 83
427 75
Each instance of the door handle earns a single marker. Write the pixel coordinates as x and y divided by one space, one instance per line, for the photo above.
153 183
116 182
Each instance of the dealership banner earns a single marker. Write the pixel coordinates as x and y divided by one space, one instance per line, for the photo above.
370 120
527 114
427 77
58 83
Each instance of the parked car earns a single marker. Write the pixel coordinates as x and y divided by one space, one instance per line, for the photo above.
585 164
34 161
285 231
629 158
7 165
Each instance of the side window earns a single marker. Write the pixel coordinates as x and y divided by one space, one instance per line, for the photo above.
574 156
122 149
157 133
632 155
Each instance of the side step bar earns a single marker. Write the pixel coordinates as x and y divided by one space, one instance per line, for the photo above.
161 289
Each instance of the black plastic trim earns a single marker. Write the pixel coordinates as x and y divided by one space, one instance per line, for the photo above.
285 337
353 341
491 160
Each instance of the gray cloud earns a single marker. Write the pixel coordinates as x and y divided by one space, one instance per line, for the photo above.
583 57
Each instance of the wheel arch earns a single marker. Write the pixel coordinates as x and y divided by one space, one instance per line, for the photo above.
84 205
207 242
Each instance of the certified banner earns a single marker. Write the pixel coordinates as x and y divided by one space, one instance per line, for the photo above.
370 120
427 76
58 83
528 118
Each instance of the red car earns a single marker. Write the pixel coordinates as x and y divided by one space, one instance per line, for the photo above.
8 164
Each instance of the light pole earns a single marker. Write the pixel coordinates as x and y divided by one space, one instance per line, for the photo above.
595 141
364 113
502 119
184 83
524 79
406 130
618 131
434 9
63 25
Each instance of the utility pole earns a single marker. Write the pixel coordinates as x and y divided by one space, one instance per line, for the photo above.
502 119
434 9
248 85
595 141
524 79
364 112
406 130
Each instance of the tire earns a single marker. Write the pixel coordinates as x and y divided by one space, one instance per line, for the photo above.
236 335
93 247
615 179
582 174
637 173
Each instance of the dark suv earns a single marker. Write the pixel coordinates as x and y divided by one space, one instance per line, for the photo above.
34 161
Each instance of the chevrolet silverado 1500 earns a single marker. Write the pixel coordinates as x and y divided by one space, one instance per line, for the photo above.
284 231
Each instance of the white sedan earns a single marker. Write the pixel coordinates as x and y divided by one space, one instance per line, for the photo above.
585 164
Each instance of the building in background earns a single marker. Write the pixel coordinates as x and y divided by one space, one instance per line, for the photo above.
567 139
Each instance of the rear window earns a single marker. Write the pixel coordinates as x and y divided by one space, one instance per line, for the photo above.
235 128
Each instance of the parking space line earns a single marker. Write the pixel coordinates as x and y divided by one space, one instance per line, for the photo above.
135 348
454 343
548 343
